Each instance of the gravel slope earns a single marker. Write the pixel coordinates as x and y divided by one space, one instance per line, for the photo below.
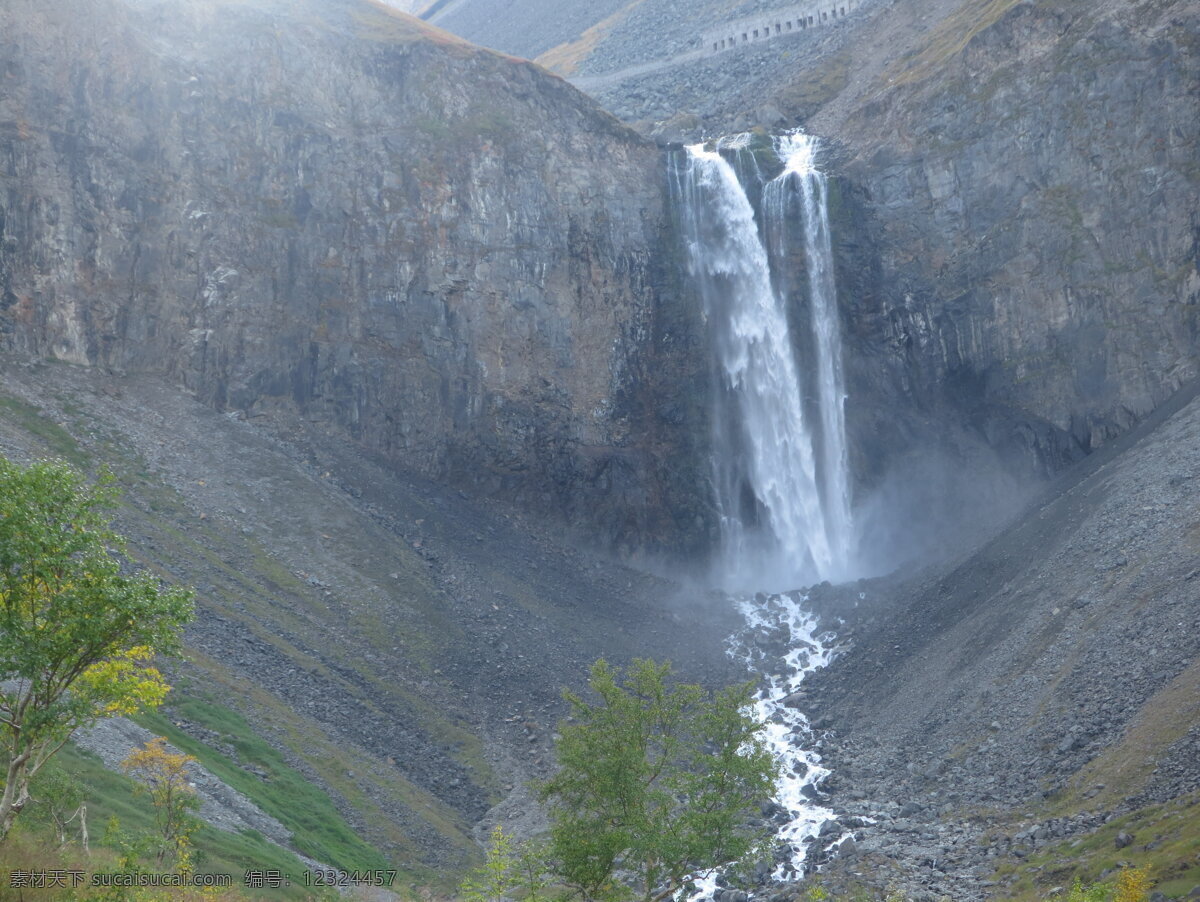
403 646
1052 672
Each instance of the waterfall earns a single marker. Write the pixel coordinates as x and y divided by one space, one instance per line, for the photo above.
799 152
779 449
753 214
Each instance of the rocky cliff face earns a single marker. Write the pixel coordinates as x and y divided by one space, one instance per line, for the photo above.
1025 184
1016 219
334 212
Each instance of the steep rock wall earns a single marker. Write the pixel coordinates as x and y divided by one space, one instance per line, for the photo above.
334 211
1018 226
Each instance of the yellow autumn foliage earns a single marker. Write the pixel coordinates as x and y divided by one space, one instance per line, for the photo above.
125 683
1133 885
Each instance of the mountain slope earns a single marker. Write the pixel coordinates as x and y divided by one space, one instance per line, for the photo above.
526 28
1039 686
401 647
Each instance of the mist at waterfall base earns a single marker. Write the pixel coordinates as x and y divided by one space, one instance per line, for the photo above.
938 499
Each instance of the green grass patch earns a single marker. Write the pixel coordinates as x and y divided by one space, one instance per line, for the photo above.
53 437
1166 844
319 830
111 794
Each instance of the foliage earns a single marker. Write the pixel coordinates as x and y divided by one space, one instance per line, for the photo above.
816 893
1173 856
318 829
76 632
59 794
502 872
164 777
497 876
509 868
130 846
656 782
1094 893
1133 885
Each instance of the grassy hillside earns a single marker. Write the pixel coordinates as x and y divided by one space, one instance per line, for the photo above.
305 780
1166 844
117 816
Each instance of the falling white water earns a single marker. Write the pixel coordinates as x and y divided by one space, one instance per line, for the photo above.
798 151
780 462
779 472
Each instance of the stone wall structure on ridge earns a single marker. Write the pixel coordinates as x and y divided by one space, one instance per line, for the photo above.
777 23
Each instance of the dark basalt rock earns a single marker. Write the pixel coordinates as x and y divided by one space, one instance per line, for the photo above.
337 218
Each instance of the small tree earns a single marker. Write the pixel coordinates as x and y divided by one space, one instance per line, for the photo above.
510 868
76 633
164 776
655 781
1133 885
60 795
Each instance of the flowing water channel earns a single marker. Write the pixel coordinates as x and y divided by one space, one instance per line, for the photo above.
754 215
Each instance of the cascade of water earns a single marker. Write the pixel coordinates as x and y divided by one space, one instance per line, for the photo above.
798 151
780 463
779 468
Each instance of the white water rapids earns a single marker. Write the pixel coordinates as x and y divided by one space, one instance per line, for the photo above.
780 467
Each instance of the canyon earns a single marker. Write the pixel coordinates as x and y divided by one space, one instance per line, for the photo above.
403 328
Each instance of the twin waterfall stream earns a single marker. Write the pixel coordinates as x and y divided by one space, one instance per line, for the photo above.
753 214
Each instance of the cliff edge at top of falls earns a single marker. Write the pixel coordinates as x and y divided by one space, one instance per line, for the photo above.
1013 196
338 218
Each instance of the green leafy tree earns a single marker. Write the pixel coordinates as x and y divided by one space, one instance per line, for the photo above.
510 869
59 795
655 781
77 632
497 876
